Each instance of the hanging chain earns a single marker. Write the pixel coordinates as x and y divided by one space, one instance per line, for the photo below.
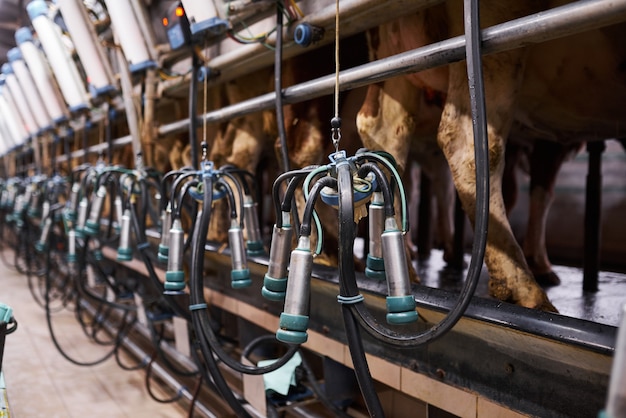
335 122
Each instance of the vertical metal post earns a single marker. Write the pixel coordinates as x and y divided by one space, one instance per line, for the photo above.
593 199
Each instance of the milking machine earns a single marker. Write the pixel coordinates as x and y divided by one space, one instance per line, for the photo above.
210 185
368 183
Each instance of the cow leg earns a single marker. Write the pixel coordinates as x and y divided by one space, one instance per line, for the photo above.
384 123
510 277
545 162
436 168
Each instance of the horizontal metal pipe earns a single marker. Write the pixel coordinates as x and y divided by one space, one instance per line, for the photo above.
125 140
551 24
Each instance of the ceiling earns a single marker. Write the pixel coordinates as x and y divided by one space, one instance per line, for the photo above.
12 16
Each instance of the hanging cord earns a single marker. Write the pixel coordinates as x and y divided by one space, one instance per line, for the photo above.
155 355
125 327
335 122
194 397
193 109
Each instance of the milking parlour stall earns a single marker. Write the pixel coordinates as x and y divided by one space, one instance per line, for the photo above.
314 208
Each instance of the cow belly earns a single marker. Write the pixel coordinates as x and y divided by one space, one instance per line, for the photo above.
575 87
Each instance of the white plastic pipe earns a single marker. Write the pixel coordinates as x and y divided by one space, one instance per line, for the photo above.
58 56
129 35
15 90
7 135
202 15
12 119
4 145
29 88
42 76
99 73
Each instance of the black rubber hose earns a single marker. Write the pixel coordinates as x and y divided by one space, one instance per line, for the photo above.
278 206
121 334
328 181
108 135
347 232
278 79
232 202
241 174
481 152
384 185
200 317
197 299
170 177
173 204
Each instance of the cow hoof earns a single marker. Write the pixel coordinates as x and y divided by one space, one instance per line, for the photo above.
542 277
537 299
547 306
548 279
499 290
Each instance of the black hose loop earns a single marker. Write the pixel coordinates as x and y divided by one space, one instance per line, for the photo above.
347 233
374 327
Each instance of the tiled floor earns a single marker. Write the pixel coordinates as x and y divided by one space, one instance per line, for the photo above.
41 383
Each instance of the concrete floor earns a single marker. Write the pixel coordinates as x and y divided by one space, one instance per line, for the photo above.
40 383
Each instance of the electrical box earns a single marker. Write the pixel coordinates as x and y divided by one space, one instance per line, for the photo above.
176 26
204 18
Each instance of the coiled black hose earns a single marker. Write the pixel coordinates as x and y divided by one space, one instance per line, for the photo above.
348 286
209 342
346 269
371 325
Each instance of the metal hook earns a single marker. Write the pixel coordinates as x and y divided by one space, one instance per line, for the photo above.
335 124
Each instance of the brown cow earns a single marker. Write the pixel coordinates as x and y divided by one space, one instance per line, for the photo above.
568 90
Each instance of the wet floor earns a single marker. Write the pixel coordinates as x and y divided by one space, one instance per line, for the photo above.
565 240
569 298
